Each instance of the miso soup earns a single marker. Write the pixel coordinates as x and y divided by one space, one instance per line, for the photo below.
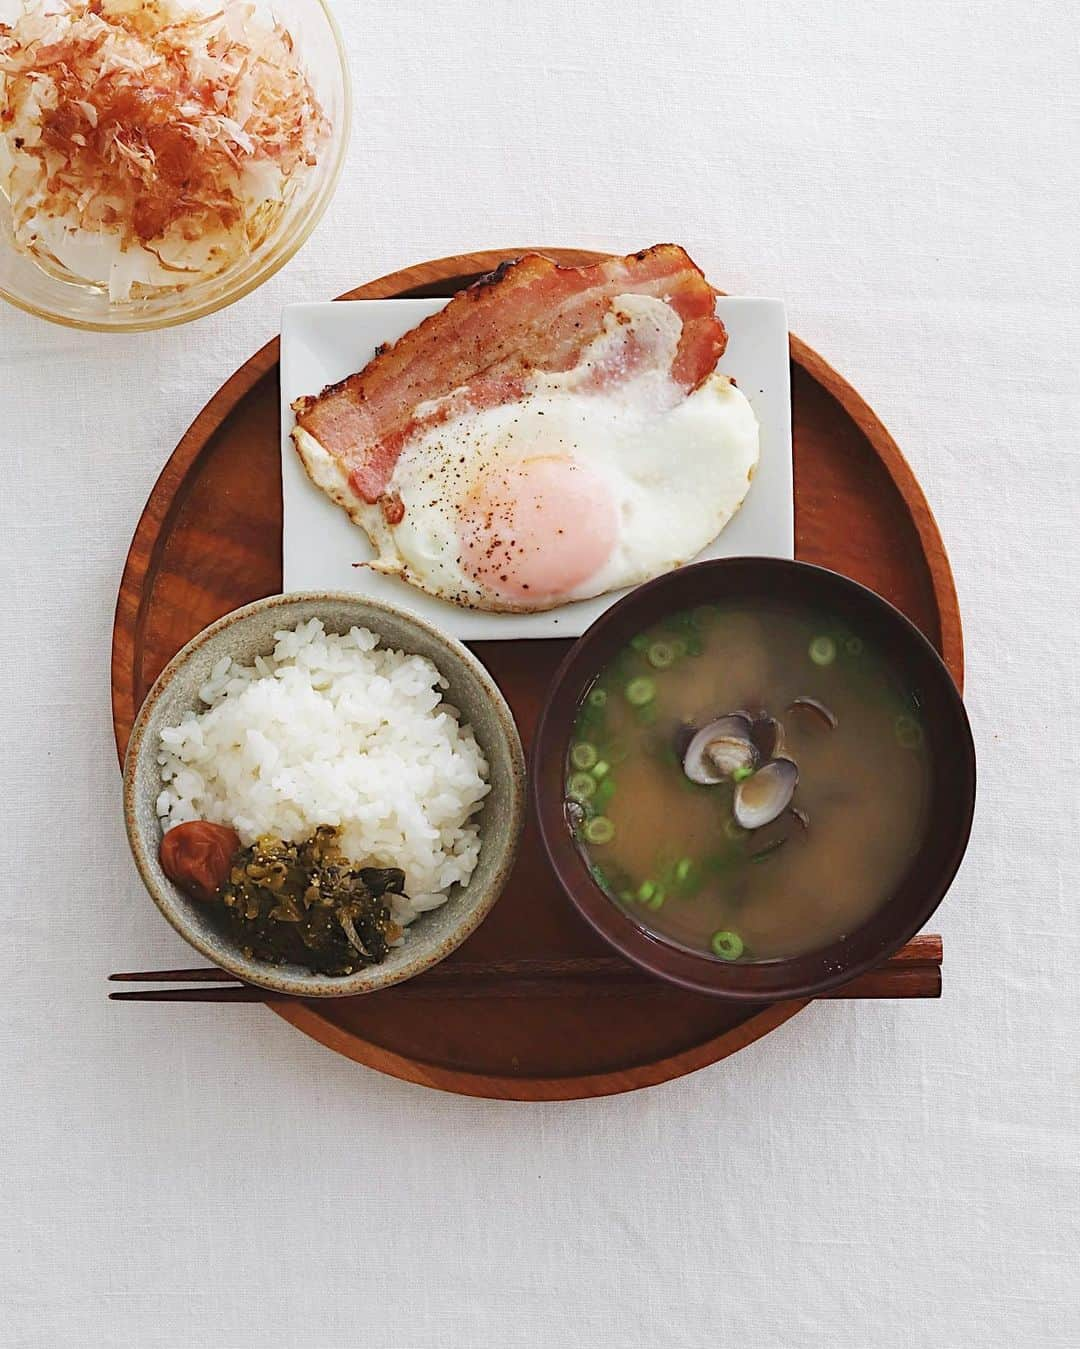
750 784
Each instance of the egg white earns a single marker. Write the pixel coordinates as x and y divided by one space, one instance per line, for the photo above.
676 467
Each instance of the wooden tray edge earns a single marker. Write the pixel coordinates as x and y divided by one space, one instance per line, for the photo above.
163 501
906 483
584 1087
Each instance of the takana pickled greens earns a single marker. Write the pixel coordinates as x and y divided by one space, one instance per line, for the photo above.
306 904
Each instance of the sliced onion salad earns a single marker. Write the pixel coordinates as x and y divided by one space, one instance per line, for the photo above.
146 144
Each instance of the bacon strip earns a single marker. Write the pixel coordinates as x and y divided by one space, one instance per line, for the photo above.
528 315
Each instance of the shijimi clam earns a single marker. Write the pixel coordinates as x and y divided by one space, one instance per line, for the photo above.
733 747
768 736
765 795
720 750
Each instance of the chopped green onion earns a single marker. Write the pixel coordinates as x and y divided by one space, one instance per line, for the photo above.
854 646
600 769
640 643
908 732
727 945
590 724
597 697
742 773
680 646
627 896
646 890
719 862
657 901
640 691
604 793
581 786
599 830
732 828
687 877
583 755
823 650
660 655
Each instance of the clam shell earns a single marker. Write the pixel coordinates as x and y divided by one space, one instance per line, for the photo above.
827 715
762 798
718 749
768 736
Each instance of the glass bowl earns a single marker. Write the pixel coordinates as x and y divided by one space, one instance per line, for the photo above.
24 283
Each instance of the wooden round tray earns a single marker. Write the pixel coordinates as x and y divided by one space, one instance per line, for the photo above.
210 539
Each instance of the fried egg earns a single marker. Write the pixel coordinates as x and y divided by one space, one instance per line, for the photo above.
593 479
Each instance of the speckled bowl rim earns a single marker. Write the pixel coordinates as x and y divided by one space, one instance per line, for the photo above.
369 979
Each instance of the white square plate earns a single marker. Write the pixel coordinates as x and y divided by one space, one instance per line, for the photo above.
322 343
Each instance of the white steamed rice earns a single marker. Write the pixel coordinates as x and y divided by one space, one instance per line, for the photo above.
334 730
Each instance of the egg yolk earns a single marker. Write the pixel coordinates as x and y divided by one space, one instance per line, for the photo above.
537 529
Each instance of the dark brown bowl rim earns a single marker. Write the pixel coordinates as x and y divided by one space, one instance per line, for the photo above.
917 897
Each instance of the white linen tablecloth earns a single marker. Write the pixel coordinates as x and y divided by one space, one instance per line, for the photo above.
906 177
